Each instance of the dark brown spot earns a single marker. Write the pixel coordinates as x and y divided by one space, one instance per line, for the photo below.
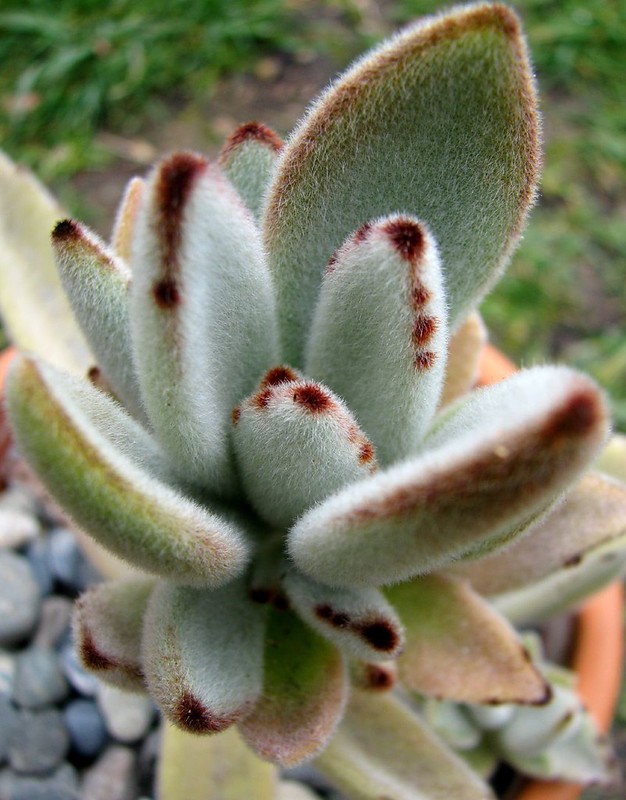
65 229
94 375
573 561
192 715
361 234
324 611
166 294
366 453
278 375
407 237
380 634
262 398
235 415
379 678
330 266
423 329
261 595
250 132
424 359
175 181
419 294
280 601
581 413
313 398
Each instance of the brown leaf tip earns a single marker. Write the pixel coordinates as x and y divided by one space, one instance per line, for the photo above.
579 416
251 132
65 229
94 375
278 375
261 399
192 715
379 678
313 398
361 234
166 293
91 656
407 237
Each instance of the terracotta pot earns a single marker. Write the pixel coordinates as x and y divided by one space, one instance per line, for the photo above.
598 655
599 647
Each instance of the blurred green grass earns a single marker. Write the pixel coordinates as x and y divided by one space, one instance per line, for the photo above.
70 71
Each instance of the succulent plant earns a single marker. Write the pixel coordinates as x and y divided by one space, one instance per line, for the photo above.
280 429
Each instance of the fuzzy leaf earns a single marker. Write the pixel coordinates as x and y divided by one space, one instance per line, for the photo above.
379 333
33 304
108 621
296 443
439 121
382 749
97 285
304 693
591 516
459 648
110 475
126 219
495 463
212 767
248 159
361 621
203 654
202 313
464 352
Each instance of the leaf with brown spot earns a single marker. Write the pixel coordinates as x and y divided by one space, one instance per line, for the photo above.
35 311
112 477
384 749
97 283
459 648
369 341
203 655
248 159
360 621
304 693
108 623
577 549
439 121
203 319
490 467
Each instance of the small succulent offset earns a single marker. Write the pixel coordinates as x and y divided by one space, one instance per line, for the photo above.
282 433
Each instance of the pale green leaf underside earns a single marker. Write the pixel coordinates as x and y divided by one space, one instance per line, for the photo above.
459 648
203 654
487 475
382 749
109 474
33 305
439 122
212 767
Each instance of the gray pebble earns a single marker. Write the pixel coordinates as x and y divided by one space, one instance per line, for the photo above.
65 558
20 599
112 777
85 725
19 787
7 672
17 528
54 621
39 679
127 716
7 724
39 742
37 553
84 682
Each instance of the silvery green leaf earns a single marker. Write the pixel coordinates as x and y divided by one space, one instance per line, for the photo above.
97 284
34 308
379 334
361 621
126 218
202 314
452 722
248 159
108 623
110 475
459 648
203 654
439 121
384 749
492 465
304 693
578 548
296 443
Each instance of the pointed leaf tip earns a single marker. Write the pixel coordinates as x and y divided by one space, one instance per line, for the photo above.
250 132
